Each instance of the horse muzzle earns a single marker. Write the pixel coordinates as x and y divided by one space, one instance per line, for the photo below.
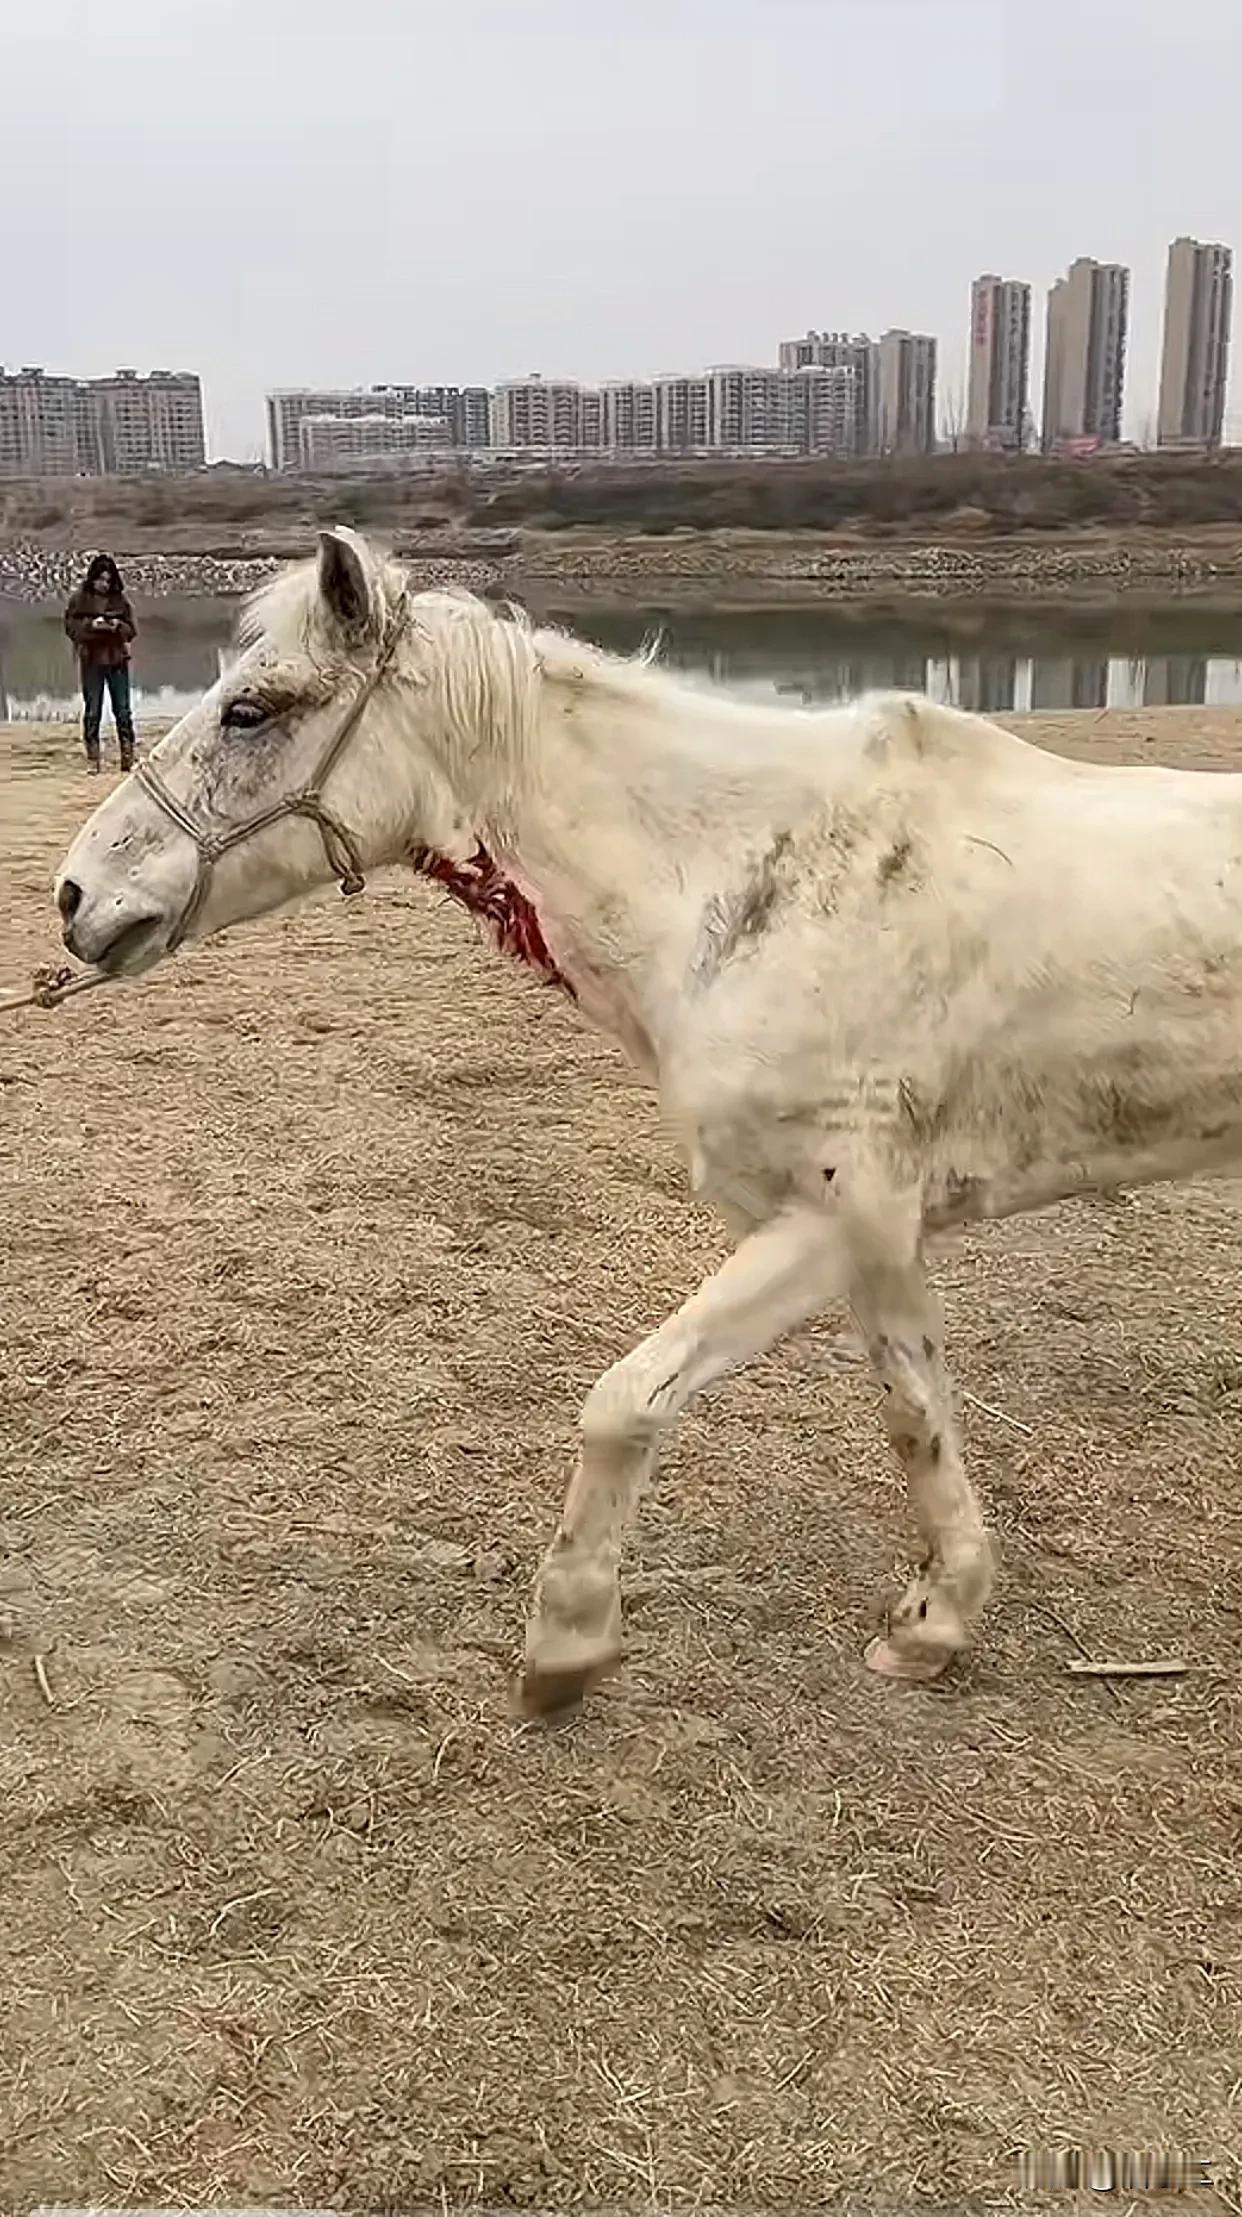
121 933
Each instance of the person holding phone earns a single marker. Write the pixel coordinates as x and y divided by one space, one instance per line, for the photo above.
100 622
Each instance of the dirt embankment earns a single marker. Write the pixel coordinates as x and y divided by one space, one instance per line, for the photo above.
714 531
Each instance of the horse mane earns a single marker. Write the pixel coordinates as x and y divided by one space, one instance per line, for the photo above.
487 663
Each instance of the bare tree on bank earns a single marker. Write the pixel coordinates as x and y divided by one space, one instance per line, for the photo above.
953 418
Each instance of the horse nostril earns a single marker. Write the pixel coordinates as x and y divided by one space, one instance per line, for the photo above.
69 899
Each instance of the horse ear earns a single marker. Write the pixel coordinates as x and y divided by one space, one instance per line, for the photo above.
348 582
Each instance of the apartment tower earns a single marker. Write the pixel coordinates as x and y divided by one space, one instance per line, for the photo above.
149 423
541 412
328 442
465 410
838 350
905 389
998 406
683 414
1194 361
124 425
1085 353
629 418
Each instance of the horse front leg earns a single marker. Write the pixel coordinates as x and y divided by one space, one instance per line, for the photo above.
936 1614
775 1280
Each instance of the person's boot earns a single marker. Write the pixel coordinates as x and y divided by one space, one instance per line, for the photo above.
92 762
127 756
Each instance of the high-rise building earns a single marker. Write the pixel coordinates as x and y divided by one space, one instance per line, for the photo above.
1085 353
353 442
747 409
821 408
119 425
543 413
471 416
905 388
150 423
1194 361
683 415
45 430
465 409
808 410
629 421
998 407
837 350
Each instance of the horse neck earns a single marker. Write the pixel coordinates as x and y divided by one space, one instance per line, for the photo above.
592 827
614 833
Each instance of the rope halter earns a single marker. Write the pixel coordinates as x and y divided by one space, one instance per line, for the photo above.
339 844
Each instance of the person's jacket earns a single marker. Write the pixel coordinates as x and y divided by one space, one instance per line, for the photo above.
107 644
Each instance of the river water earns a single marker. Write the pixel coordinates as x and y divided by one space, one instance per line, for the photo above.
1051 657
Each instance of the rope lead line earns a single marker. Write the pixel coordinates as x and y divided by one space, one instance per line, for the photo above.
49 987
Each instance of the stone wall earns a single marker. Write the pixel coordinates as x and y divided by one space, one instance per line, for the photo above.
37 575
593 566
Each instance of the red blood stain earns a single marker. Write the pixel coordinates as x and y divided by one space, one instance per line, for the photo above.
510 918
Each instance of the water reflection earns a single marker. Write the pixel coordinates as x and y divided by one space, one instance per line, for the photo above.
986 682
991 661
1175 679
178 655
1062 682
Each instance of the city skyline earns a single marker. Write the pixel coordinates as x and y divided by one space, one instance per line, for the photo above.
824 392
884 397
1088 335
603 196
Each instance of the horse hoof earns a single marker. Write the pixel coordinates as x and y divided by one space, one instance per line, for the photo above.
914 1668
553 1695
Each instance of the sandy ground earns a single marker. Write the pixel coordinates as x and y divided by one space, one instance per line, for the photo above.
314 1244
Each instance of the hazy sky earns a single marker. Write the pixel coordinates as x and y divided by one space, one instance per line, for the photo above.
347 191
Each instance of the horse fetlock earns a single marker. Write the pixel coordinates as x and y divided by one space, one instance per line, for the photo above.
968 1571
573 1636
929 1615
577 1595
934 1618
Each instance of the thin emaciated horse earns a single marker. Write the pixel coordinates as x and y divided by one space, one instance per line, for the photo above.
890 969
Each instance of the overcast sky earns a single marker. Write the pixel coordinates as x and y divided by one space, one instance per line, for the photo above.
283 192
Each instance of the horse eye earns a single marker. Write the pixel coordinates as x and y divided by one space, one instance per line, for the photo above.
244 715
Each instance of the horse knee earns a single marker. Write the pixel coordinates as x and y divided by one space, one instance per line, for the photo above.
613 1414
627 1408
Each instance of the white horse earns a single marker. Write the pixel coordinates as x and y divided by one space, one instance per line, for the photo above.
890 968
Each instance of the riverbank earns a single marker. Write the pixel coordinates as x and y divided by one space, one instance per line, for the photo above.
751 569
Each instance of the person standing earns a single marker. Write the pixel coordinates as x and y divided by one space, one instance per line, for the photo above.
100 622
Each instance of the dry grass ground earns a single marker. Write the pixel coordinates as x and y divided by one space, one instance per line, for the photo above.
314 1244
